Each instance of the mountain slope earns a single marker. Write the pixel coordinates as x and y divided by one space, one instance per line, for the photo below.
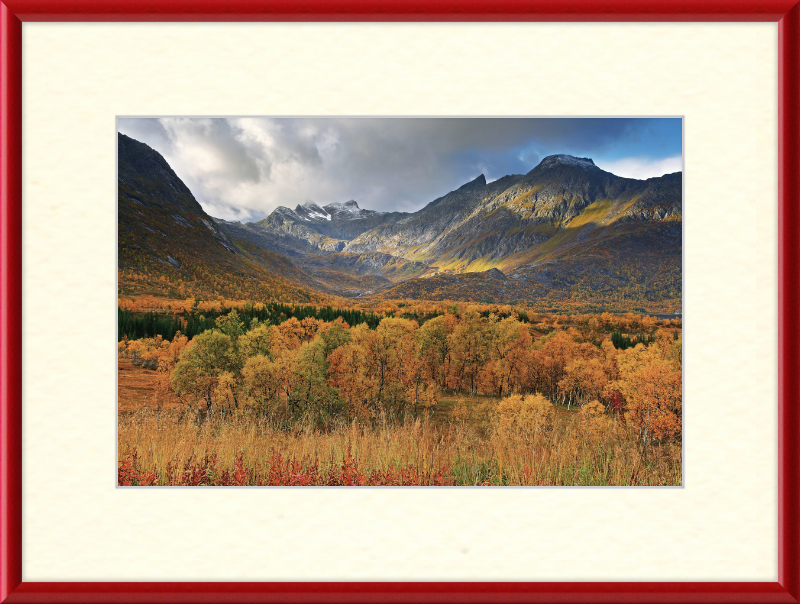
322 228
565 233
522 219
414 234
154 203
391 268
567 230
168 245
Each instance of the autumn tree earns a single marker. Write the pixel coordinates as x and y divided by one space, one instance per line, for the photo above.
195 376
650 383
584 380
421 389
557 350
504 341
394 356
309 327
352 371
289 335
526 416
468 343
231 325
433 345
608 357
334 335
261 384
167 358
256 341
312 397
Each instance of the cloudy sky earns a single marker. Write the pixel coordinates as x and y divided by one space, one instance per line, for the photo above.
243 168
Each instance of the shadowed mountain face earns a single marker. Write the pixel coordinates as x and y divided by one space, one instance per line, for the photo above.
564 230
158 215
168 245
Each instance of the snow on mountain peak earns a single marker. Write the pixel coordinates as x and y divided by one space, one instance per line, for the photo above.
312 211
567 160
348 206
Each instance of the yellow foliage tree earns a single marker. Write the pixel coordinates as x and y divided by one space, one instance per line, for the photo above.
594 419
650 382
525 416
262 379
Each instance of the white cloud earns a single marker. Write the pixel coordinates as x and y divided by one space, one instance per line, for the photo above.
641 167
243 168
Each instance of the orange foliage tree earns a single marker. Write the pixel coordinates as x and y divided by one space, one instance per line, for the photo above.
650 383
317 369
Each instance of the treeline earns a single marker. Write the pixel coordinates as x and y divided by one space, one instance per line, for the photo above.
275 314
623 342
191 321
320 370
149 325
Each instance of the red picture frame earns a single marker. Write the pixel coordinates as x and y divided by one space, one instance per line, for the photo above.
13 12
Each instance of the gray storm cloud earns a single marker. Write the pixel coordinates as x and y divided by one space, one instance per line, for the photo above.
243 168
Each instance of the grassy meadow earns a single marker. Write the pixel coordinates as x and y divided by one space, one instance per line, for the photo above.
466 398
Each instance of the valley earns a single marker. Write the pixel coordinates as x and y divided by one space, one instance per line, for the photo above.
565 236
521 330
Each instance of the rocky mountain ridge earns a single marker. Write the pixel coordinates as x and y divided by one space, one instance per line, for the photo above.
565 229
481 226
480 222
521 225
327 228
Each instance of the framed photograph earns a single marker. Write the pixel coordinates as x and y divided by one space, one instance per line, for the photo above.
96 99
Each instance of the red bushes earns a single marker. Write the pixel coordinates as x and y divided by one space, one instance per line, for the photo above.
276 472
128 473
350 475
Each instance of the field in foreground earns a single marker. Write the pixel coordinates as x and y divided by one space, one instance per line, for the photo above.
462 399
168 447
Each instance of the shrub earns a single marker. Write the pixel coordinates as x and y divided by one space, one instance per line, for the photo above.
525 416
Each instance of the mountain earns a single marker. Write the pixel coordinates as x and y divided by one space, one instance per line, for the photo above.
153 202
565 235
411 233
168 245
565 231
324 228
504 224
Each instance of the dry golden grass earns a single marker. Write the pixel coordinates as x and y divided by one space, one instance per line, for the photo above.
569 454
574 451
